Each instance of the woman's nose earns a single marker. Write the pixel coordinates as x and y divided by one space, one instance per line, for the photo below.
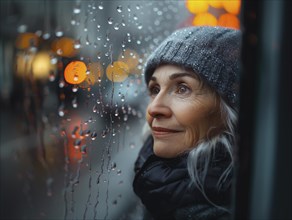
159 107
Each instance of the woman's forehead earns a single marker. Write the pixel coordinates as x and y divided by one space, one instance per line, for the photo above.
172 72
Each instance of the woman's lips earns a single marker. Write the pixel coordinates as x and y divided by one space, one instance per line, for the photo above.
160 131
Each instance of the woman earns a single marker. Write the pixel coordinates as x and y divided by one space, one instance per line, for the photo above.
184 170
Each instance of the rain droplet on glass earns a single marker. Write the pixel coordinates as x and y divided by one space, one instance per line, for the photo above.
159 13
77 44
140 26
73 134
93 135
117 26
61 83
94 109
113 133
61 111
52 76
76 10
46 35
119 8
125 117
77 143
59 51
74 88
117 112
103 134
59 33
54 60
113 166
110 20
75 78
87 133
73 22
122 98
22 28
83 149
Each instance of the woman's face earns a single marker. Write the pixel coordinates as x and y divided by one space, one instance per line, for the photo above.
181 111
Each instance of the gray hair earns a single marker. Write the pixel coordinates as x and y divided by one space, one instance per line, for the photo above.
201 155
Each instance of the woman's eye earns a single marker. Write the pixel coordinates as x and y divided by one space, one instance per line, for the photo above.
154 90
182 89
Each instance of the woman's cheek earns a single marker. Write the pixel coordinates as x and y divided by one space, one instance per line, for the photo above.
191 137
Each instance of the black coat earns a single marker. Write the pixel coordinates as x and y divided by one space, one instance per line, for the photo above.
163 186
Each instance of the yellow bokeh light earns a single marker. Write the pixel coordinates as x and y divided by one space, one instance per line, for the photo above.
95 74
23 64
131 58
216 3
27 40
197 6
229 20
42 66
118 71
64 47
232 6
205 19
75 72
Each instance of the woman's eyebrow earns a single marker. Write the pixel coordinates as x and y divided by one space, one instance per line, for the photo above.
177 75
153 78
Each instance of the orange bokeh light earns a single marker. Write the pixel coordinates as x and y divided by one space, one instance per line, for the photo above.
95 74
229 20
232 6
195 6
75 72
205 19
27 40
64 47
118 71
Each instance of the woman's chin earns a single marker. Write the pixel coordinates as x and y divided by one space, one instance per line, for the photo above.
163 152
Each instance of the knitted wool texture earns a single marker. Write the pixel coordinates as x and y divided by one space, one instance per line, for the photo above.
211 52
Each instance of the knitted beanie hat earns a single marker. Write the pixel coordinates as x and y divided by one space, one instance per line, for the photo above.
211 52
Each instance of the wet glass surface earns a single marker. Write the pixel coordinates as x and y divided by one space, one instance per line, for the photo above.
73 103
